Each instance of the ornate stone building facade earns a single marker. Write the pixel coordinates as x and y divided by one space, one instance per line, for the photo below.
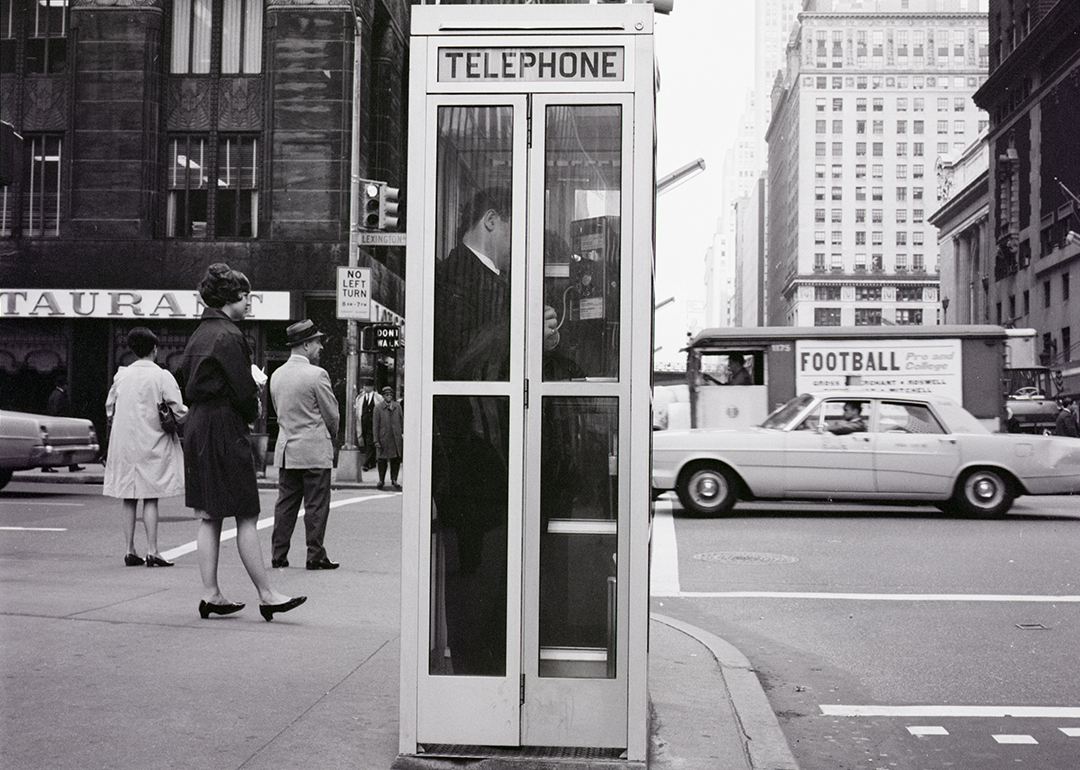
160 136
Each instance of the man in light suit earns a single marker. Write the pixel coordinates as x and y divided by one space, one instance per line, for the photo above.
307 414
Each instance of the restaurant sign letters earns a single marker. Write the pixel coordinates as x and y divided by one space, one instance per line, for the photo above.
129 303
533 64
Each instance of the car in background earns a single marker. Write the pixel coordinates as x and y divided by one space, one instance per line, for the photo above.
925 449
37 441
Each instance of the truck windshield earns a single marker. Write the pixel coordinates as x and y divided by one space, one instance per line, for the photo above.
780 418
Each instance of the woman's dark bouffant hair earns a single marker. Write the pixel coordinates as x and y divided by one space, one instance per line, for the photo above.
222 285
141 341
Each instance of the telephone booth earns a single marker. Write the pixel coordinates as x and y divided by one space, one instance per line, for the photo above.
527 416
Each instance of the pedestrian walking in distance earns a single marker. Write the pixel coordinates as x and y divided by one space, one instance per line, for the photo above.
387 427
145 462
307 416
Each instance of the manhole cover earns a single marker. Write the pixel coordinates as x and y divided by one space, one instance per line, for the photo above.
745 557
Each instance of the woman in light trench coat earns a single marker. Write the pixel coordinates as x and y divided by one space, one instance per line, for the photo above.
144 461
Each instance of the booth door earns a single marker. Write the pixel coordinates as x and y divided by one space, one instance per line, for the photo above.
577 421
525 405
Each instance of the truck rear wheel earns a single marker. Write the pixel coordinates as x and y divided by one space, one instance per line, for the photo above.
707 489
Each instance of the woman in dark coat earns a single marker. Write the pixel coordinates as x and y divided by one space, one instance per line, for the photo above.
219 468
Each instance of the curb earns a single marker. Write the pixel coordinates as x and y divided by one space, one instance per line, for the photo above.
763 740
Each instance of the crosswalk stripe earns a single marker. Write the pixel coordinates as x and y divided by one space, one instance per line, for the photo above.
1041 712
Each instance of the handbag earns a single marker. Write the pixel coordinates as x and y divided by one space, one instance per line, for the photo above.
168 419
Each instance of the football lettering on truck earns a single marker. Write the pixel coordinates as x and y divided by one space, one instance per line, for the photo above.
736 376
892 366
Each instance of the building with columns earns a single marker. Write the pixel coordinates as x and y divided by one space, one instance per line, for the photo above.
1032 94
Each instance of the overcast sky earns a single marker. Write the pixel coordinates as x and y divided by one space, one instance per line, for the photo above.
705 52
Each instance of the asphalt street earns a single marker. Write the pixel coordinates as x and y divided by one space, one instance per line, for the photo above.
897 637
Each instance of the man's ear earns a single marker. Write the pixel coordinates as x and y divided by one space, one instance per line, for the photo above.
490 220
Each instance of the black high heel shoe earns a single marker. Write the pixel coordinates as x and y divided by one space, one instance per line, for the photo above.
152 560
268 610
205 608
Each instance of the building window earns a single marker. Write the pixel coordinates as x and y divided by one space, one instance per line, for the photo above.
1064 287
878 171
819 237
901 238
1066 343
876 216
860 126
837 193
46 41
959 126
860 105
837 264
819 171
860 263
230 209
826 316
918 263
41 186
909 317
901 171
876 193
240 28
909 294
838 218
837 104
860 149
879 104
917 238
879 149
901 263
901 126
901 149
901 194
1046 294
819 149
819 126
868 293
820 104
943 126
819 215
877 263
819 193
838 126
860 237
860 171
1027 302
837 237
819 262
837 171
838 149
901 216
901 104
876 237
879 127
917 149
827 293
860 215
917 216
868 316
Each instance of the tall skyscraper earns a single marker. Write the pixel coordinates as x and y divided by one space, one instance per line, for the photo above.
873 94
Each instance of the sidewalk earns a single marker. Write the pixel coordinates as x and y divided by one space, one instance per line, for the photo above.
335 709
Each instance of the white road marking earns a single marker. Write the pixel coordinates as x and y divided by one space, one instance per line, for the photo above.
20 503
1072 732
985 712
929 730
34 529
1067 599
229 534
664 571
1025 739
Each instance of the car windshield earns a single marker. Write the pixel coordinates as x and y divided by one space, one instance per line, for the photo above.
783 415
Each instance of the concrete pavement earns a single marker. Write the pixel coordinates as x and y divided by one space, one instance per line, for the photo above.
131 682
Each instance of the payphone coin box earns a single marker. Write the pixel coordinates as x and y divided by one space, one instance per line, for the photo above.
527 414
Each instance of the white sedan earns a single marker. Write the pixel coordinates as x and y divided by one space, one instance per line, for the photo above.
37 441
865 446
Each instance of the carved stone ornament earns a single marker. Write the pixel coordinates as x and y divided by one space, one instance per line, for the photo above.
117 3
294 3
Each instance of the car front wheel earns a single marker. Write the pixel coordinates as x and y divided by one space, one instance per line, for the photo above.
983 492
706 489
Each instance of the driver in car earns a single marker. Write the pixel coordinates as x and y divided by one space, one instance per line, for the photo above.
853 420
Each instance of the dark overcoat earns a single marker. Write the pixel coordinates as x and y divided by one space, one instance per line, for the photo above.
215 374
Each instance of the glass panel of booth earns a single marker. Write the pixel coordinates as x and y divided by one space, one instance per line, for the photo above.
579 509
471 365
583 171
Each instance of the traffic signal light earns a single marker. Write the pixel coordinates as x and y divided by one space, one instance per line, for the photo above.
388 209
370 204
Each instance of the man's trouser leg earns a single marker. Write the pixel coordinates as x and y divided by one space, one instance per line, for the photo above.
316 510
290 494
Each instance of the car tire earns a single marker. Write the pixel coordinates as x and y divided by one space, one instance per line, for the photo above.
707 489
5 476
984 492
